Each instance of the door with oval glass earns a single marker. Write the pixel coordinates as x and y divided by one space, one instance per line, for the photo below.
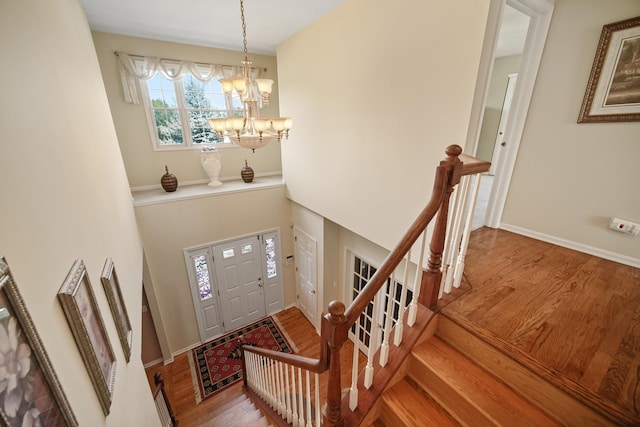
235 282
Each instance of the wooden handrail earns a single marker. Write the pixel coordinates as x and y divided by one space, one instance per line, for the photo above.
310 364
339 319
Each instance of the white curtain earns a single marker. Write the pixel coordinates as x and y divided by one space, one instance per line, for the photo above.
134 68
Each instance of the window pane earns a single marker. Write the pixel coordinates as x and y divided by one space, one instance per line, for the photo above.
162 95
228 253
270 249
203 101
246 249
202 276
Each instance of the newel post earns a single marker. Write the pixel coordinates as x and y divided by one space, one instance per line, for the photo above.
241 342
334 331
432 275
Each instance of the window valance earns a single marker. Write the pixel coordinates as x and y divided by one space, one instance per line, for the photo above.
135 67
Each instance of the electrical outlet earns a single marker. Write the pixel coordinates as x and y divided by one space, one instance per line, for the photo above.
624 226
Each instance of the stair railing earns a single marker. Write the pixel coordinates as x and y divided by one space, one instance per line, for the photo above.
274 376
162 403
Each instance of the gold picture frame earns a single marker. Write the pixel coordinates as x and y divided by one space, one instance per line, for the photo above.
111 284
83 314
32 395
613 90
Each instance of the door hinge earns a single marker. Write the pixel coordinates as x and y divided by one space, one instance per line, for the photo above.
298 296
295 238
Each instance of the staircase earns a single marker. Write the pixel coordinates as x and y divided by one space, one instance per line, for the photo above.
240 412
444 387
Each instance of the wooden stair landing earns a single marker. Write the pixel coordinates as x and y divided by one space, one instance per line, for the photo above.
240 412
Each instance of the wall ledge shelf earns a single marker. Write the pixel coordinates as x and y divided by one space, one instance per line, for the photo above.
195 191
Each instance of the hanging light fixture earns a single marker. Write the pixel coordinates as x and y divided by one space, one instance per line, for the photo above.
250 130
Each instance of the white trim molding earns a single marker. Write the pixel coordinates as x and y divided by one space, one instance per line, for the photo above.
580 247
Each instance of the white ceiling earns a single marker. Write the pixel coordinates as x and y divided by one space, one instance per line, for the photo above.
216 23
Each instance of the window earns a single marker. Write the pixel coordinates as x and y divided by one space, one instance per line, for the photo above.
178 110
362 273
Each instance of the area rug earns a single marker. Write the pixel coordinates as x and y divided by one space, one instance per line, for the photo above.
216 365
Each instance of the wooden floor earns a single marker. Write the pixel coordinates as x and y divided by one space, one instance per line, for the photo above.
179 385
575 316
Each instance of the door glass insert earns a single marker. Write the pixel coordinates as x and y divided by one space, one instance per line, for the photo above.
270 251
202 276
246 249
228 253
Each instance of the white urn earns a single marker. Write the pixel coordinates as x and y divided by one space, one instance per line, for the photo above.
210 159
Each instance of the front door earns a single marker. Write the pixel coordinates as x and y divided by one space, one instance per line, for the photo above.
238 268
306 280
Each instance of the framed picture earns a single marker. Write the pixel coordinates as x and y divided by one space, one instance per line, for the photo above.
613 90
81 308
111 285
30 395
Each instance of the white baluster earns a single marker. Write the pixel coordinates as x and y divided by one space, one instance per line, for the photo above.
318 408
353 391
272 384
283 398
280 406
373 339
384 350
248 359
417 282
309 416
398 331
456 235
466 234
447 260
300 400
294 398
287 393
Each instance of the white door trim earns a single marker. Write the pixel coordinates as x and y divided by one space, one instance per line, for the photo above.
312 270
540 12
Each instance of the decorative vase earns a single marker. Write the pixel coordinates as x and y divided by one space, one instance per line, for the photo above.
246 172
169 181
210 159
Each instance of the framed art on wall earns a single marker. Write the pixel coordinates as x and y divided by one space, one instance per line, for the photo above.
30 393
111 285
613 90
83 314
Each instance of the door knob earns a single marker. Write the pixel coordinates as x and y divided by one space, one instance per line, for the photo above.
504 143
260 284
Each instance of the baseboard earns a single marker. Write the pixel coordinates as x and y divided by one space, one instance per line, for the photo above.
184 350
152 363
580 247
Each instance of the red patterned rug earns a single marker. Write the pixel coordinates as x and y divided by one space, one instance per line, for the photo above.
216 364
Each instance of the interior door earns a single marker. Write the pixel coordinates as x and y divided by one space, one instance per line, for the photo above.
306 280
238 270
500 142
205 299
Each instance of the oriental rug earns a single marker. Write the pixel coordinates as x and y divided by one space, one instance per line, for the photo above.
216 365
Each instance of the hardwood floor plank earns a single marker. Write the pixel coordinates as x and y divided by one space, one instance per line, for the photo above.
575 314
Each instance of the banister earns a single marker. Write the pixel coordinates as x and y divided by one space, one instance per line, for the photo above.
310 364
337 322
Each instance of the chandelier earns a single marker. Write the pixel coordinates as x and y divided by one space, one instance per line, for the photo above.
251 131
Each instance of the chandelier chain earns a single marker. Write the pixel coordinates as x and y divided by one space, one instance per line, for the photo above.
244 30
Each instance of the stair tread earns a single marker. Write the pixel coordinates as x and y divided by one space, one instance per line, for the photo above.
412 406
229 417
240 400
481 391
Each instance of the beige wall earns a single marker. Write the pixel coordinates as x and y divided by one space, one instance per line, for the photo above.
570 178
145 166
168 228
502 67
65 195
378 90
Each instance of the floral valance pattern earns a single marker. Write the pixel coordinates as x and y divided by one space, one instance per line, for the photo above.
134 68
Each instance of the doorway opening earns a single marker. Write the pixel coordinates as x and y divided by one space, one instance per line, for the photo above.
503 97
235 282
